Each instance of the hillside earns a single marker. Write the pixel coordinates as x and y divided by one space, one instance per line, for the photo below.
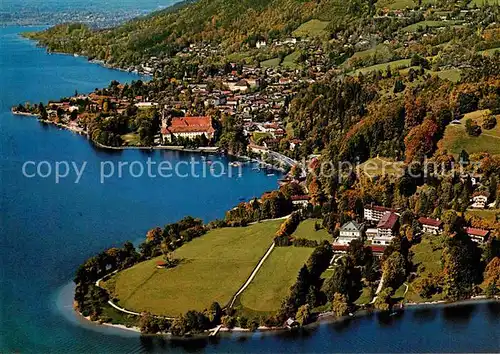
234 24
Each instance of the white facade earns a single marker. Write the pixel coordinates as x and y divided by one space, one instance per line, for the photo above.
479 201
350 231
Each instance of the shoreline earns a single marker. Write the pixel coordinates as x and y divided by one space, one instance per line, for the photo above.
322 318
202 150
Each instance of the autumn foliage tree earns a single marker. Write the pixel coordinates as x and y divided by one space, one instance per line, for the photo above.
421 140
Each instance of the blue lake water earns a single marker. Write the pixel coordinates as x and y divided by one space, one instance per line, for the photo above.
48 229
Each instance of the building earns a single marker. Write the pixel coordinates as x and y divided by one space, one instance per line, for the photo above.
350 231
386 229
479 200
373 213
371 233
477 235
300 200
432 226
261 44
187 127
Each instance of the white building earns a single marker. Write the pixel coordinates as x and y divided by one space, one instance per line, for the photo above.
350 231
479 201
432 226
300 200
373 213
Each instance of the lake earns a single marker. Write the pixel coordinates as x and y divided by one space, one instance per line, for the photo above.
47 229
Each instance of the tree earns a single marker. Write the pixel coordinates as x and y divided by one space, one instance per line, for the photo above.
394 270
253 325
339 305
489 122
463 158
472 128
228 321
303 315
399 86
147 324
492 272
360 254
179 326
383 300
460 266
427 286
215 313
242 321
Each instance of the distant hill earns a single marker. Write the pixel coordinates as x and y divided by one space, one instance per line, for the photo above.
232 23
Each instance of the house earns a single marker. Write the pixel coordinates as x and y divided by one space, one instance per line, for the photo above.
300 200
377 250
373 213
477 235
432 226
350 231
260 44
386 228
187 127
291 323
479 200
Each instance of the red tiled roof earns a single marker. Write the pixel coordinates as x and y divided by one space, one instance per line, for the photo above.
189 125
476 232
381 208
387 221
340 247
300 197
377 248
430 222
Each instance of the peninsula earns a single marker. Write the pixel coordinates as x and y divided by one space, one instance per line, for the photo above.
392 112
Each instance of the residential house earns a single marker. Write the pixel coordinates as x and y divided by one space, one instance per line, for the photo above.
387 228
350 231
300 200
479 200
477 235
432 226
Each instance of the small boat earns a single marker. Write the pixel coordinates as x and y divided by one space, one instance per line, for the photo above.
235 164
270 174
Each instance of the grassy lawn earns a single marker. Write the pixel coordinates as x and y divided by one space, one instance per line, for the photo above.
380 50
480 3
378 166
306 230
258 136
312 28
424 24
365 297
213 267
270 63
394 65
290 60
427 253
395 4
489 51
487 214
327 274
273 281
117 317
427 258
452 74
455 137
131 139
